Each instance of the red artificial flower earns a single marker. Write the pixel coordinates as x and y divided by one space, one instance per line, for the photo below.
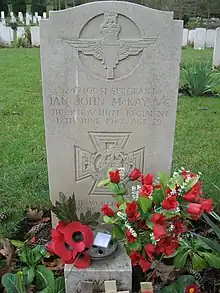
158 219
180 227
58 247
132 211
114 176
159 231
150 250
170 203
130 237
106 210
193 288
146 190
82 261
131 208
61 225
143 225
78 236
195 210
171 245
135 174
194 193
145 264
135 257
207 204
148 179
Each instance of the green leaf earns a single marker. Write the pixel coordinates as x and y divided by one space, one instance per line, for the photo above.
180 258
123 207
212 259
184 281
59 285
215 228
104 182
17 243
119 199
158 196
13 283
198 262
212 244
145 203
164 179
118 233
149 224
191 183
135 246
172 183
108 220
170 289
170 213
28 275
44 277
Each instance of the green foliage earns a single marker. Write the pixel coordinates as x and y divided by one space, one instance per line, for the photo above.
201 255
19 6
179 285
39 6
145 203
13 283
65 210
4 6
199 79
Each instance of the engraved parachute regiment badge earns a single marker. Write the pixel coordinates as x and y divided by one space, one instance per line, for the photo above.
109 48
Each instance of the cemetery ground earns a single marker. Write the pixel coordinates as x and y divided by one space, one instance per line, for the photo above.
23 169
23 159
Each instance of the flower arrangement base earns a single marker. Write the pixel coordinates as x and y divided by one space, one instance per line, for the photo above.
117 267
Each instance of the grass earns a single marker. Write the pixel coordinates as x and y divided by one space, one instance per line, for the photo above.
23 171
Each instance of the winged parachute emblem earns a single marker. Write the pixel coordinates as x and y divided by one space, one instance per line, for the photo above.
109 48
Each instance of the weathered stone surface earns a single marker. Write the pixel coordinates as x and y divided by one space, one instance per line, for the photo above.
191 36
199 39
117 267
210 38
185 37
216 55
110 73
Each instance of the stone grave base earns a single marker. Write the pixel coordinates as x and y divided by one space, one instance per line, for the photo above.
117 267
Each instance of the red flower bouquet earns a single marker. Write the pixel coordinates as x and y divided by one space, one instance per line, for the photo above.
152 215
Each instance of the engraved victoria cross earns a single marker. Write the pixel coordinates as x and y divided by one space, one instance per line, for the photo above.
109 48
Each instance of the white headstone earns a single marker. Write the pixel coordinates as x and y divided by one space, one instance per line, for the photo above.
110 86
6 33
185 37
21 18
39 18
200 37
44 15
191 36
216 55
210 39
35 36
20 31
27 19
11 14
34 19
13 19
3 21
2 15
36 14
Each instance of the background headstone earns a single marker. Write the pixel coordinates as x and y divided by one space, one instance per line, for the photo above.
27 20
20 31
34 19
121 113
210 38
185 37
191 36
35 36
216 55
44 15
2 15
199 38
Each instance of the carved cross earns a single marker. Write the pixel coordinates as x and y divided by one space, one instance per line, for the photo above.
110 287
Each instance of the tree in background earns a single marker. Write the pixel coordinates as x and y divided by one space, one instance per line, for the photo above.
19 6
4 6
39 6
